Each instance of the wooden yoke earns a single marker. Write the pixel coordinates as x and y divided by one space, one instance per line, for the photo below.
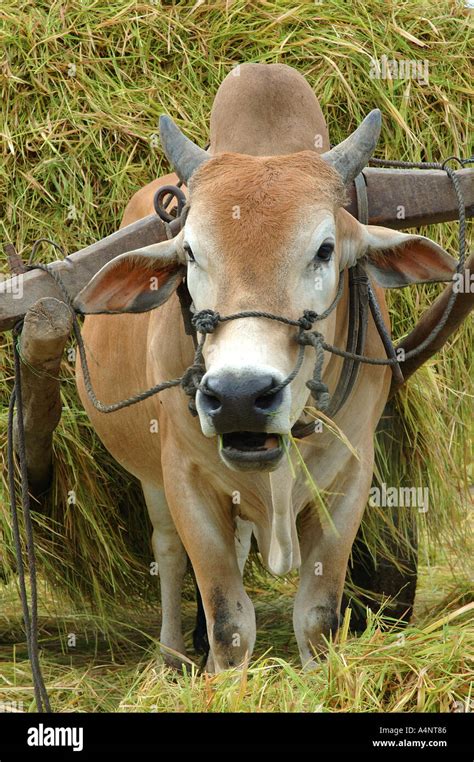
21 292
425 195
462 307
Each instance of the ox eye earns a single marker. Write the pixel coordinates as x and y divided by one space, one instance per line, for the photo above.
325 252
189 251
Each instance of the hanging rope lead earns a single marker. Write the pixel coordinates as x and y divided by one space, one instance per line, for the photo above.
30 615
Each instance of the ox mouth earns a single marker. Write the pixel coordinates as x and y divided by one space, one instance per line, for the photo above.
251 450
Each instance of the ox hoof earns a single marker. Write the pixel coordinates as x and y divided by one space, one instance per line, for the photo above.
313 664
313 628
175 660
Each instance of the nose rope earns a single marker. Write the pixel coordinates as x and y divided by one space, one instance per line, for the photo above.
206 321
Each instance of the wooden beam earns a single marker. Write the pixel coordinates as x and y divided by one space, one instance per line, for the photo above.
426 195
20 293
45 332
405 198
462 307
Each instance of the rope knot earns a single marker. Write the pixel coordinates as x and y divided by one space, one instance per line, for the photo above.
307 320
190 384
310 338
320 393
206 321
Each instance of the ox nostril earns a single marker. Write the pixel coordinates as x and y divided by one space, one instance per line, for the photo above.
212 403
212 399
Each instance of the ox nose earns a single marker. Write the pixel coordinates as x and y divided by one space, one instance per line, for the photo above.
240 402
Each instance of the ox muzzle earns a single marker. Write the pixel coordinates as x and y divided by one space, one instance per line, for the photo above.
249 411
249 408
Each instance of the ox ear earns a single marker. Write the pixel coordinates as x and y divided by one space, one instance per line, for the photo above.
137 281
395 259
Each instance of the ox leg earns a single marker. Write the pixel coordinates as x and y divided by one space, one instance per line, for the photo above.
324 559
171 558
205 524
230 618
243 538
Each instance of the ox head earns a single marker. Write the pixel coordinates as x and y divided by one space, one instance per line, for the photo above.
268 234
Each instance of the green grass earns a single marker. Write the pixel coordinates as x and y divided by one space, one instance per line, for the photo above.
75 145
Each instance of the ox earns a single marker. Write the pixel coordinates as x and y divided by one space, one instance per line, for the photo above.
265 223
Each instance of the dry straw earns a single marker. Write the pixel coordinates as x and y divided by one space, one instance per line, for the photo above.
82 87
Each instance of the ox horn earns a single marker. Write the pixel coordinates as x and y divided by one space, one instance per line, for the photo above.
183 155
353 154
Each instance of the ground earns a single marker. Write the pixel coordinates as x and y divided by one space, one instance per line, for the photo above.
428 667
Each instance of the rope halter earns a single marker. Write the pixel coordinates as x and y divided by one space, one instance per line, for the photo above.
206 321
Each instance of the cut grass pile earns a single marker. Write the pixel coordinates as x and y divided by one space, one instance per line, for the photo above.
82 87
427 667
